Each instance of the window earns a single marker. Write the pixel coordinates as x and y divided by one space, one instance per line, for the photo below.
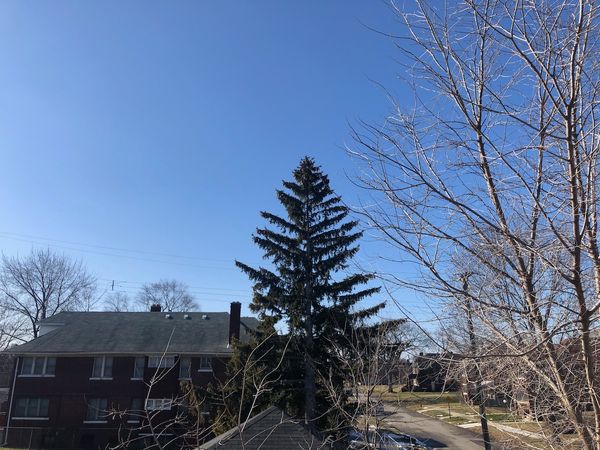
135 410
205 364
96 410
138 368
38 366
102 369
161 362
158 404
32 408
205 408
185 365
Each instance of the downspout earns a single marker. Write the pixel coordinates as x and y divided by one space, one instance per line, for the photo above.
10 403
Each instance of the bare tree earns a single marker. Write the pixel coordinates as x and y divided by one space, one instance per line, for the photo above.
117 301
42 284
171 295
496 168
372 356
13 329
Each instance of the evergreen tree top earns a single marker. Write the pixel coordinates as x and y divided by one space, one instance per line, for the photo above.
307 247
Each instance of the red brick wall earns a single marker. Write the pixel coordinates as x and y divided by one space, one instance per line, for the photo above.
71 388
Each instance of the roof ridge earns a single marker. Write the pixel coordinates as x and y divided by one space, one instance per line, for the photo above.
236 431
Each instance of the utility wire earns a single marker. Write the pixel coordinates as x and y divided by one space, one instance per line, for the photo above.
141 283
120 256
119 249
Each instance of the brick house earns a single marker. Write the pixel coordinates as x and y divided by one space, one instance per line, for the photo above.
432 372
85 367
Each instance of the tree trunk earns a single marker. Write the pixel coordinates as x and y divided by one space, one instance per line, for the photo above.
310 390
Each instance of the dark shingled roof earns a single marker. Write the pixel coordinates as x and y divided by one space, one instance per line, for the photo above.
135 333
272 429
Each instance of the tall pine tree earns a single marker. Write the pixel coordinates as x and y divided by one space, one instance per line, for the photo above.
307 285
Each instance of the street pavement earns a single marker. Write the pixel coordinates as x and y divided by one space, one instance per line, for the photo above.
435 433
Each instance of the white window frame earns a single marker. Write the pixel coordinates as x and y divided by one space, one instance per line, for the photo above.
34 360
135 367
134 415
38 401
187 375
161 362
103 369
98 410
158 404
205 364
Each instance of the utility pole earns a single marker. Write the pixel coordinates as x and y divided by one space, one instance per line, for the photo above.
473 347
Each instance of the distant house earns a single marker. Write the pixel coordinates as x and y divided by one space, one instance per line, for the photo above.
490 391
400 372
271 429
523 387
85 367
431 372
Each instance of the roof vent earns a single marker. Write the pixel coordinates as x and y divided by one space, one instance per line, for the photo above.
186 317
168 316
155 307
204 317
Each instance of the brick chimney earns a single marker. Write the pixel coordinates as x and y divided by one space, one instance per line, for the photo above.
234 321
155 307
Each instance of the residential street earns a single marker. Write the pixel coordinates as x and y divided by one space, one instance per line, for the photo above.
433 432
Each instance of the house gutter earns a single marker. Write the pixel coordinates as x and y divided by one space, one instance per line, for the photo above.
10 403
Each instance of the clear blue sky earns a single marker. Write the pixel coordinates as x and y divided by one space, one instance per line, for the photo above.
165 127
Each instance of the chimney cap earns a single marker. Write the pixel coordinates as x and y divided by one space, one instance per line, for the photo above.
155 307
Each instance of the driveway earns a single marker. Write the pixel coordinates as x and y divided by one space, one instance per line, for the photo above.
433 432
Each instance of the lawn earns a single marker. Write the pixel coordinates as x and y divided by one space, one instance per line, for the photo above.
446 406
449 407
415 398
507 441
534 427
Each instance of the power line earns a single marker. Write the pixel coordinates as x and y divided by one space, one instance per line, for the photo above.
141 283
120 249
217 300
131 286
120 256
130 289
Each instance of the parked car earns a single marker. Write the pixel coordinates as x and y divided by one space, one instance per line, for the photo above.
382 440
359 440
379 409
395 441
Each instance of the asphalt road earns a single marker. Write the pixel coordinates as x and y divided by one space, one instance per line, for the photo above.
433 432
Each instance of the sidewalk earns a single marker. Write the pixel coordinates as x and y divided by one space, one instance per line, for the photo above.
506 429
